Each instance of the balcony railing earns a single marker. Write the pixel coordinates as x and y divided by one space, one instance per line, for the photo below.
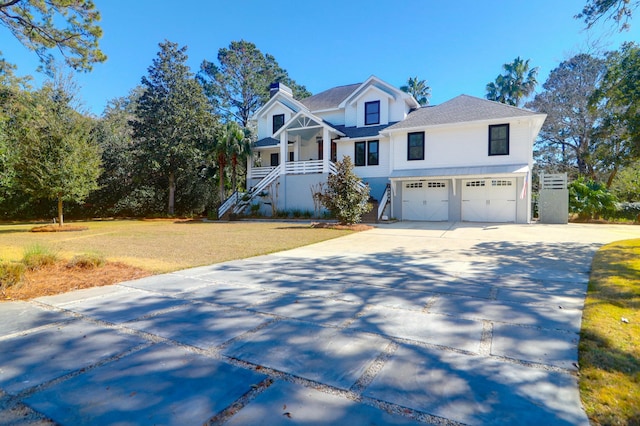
260 172
303 167
291 168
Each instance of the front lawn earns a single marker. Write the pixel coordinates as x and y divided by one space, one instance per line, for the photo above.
610 337
140 247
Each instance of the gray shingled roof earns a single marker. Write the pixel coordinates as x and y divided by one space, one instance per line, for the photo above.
362 132
462 108
329 98
267 142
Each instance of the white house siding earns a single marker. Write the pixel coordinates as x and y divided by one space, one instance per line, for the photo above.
372 94
265 122
466 145
335 117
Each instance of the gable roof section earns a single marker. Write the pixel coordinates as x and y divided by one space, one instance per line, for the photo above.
329 99
463 108
306 119
284 99
385 87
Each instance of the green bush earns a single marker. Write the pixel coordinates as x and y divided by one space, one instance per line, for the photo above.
344 197
255 209
87 261
628 211
11 273
37 256
590 200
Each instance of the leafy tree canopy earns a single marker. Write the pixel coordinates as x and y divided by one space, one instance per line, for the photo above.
173 125
619 94
516 83
418 89
570 135
70 26
58 158
239 84
620 11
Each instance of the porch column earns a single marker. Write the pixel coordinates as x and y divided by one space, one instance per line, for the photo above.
249 166
326 150
284 149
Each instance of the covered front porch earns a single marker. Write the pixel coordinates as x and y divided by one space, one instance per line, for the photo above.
304 145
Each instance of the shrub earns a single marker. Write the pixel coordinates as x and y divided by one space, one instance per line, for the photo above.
281 214
297 213
344 197
11 273
590 199
37 256
628 211
255 209
87 261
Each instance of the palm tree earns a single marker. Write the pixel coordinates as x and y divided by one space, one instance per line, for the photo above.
418 89
516 83
240 149
224 141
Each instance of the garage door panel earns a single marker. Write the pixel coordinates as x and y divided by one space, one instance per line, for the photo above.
413 200
489 200
425 200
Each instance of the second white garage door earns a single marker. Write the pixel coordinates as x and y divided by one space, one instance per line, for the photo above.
489 200
425 200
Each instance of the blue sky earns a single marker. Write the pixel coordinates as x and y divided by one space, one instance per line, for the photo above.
457 46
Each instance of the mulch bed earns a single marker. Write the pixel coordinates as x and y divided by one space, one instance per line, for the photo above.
60 278
355 227
58 228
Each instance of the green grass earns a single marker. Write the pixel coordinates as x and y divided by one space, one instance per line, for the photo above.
36 255
609 349
164 246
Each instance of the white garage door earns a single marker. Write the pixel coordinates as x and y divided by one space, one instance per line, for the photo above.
489 200
425 200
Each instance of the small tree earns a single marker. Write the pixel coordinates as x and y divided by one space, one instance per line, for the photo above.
345 197
58 158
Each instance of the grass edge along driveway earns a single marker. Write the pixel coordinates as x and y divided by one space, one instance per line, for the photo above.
609 349
166 246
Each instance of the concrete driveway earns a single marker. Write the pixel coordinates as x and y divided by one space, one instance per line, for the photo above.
409 323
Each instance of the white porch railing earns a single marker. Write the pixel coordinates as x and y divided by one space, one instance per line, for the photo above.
303 167
260 172
384 200
233 199
239 201
261 186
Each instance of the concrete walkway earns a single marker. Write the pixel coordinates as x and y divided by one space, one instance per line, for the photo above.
406 324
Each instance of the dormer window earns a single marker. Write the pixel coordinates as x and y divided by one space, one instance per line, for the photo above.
278 121
371 113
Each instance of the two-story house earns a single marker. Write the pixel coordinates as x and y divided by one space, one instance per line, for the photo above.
467 159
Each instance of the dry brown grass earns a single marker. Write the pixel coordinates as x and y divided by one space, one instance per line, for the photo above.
134 248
